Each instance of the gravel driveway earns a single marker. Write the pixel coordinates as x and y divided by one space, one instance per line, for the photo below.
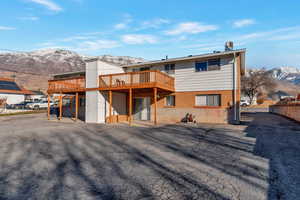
41 159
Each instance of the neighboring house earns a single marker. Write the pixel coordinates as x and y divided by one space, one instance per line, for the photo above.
280 95
206 86
12 92
35 96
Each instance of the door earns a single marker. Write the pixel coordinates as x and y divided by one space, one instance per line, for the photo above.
141 108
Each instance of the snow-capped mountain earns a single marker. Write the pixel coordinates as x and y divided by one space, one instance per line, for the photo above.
289 74
52 61
33 69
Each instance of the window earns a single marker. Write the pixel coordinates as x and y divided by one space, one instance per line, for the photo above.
170 68
208 100
209 65
201 66
214 64
170 100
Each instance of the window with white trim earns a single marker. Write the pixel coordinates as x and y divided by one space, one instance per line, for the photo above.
170 100
208 100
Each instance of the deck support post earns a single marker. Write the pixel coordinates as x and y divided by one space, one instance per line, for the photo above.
110 106
130 106
60 106
48 109
155 105
76 106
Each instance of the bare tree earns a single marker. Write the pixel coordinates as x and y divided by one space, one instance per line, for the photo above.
257 81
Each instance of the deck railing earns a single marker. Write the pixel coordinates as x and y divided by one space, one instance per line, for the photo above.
143 79
67 85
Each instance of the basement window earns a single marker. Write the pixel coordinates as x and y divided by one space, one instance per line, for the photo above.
170 100
208 100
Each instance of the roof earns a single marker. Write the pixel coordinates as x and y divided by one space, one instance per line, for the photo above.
37 92
69 74
190 57
9 86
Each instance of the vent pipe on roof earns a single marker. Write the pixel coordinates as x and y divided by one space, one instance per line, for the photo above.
229 46
166 57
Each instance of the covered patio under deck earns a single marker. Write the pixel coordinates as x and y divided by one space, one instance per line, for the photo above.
135 85
144 84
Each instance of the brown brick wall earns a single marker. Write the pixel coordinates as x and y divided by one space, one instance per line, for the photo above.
185 103
290 111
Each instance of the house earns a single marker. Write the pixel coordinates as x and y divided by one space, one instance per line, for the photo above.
36 95
12 92
163 91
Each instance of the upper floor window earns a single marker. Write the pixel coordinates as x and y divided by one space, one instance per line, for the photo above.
209 65
170 100
200 66
170 68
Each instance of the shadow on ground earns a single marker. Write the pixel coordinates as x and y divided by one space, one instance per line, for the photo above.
81 161
278 140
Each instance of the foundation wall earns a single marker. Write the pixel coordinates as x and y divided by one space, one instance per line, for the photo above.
290 111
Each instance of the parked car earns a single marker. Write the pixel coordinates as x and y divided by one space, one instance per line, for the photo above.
21 105
39 105
244 103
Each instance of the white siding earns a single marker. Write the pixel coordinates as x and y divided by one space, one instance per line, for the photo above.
13 98
106 68
96 107
96 68
186 79
92 111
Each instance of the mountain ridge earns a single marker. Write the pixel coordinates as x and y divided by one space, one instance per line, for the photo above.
33 69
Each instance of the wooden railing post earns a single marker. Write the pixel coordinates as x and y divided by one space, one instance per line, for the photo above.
155 105
48 113
130 106
110 105
60 106
76 108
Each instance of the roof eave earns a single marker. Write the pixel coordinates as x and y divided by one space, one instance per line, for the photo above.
185 58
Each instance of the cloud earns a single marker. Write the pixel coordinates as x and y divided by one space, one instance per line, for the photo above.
120 26
127 18
243 22
280 33
6 28
48 4
191 28
97 45
139 39
75 38
154 23
29 18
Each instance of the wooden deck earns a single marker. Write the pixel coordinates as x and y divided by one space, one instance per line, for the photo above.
121 81
134 80
69 85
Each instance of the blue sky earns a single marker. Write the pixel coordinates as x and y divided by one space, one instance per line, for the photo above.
270 30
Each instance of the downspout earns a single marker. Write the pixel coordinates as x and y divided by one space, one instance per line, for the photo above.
234 88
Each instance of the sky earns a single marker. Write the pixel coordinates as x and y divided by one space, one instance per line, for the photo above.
269 30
